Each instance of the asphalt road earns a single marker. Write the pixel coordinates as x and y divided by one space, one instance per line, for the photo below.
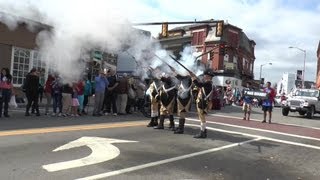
234 149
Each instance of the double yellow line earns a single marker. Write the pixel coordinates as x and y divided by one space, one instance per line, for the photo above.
71 128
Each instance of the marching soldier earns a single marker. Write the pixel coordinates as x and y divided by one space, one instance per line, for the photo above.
203 99
167 100
183 100
154 99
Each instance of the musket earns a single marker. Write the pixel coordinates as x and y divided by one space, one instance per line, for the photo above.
171 68
189 71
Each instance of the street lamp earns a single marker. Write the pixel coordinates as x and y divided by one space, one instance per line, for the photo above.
261 68
304 62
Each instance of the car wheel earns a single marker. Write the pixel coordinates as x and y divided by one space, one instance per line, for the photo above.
310 113
302 113
285 111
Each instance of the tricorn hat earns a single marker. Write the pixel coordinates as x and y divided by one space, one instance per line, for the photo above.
208 72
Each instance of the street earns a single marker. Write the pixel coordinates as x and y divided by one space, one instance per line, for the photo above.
122 147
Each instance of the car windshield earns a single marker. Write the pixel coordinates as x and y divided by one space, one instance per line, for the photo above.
307 93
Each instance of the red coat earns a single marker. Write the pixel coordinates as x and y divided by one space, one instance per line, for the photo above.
48 85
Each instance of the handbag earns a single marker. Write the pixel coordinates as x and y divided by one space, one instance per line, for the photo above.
131 93
12 102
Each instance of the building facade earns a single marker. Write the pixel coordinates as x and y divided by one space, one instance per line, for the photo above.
236 64
18 49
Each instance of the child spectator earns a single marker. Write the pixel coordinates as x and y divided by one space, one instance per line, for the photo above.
75 101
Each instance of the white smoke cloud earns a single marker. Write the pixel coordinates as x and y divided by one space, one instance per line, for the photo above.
79 26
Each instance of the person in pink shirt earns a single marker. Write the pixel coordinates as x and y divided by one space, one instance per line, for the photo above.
5 91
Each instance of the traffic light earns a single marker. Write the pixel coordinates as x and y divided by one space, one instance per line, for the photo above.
219 29
223 50
164 32
262 81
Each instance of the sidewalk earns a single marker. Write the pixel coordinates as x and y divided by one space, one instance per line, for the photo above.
275 127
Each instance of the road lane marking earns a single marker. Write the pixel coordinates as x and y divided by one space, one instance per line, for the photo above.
258 136
257 129
165 161
102 150
70 128
235 117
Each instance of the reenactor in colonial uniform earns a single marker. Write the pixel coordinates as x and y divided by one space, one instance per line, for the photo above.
203 99
167 101
154 99
184 99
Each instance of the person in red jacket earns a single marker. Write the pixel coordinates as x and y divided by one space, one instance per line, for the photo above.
48 92
268 102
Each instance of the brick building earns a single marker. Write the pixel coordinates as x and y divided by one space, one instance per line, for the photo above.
236 65
18 49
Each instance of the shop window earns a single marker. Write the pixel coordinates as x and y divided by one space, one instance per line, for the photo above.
23 60
20 65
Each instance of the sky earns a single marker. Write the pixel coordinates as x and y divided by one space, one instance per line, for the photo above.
273 24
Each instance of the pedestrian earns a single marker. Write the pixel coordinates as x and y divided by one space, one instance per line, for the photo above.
80 92
5 91
67 99
101 82
247 102
122 94
48 93
57 88
32 91
168 93
268 102
132 95
75 99
87 94
140 91
183 101
111 97
203 97
154 101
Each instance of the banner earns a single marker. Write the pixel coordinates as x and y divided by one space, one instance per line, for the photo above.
255 94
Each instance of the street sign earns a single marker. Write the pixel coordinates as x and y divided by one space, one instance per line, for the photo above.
102 150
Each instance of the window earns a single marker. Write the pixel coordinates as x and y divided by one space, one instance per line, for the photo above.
37 63
20 65
22 62
198 37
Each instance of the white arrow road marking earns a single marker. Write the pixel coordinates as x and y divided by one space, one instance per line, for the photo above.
165 161
102 150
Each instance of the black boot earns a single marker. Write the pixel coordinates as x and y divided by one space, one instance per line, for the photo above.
202 134
180 129
171 125
38 112
151 123
155 122
27 110
160 125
